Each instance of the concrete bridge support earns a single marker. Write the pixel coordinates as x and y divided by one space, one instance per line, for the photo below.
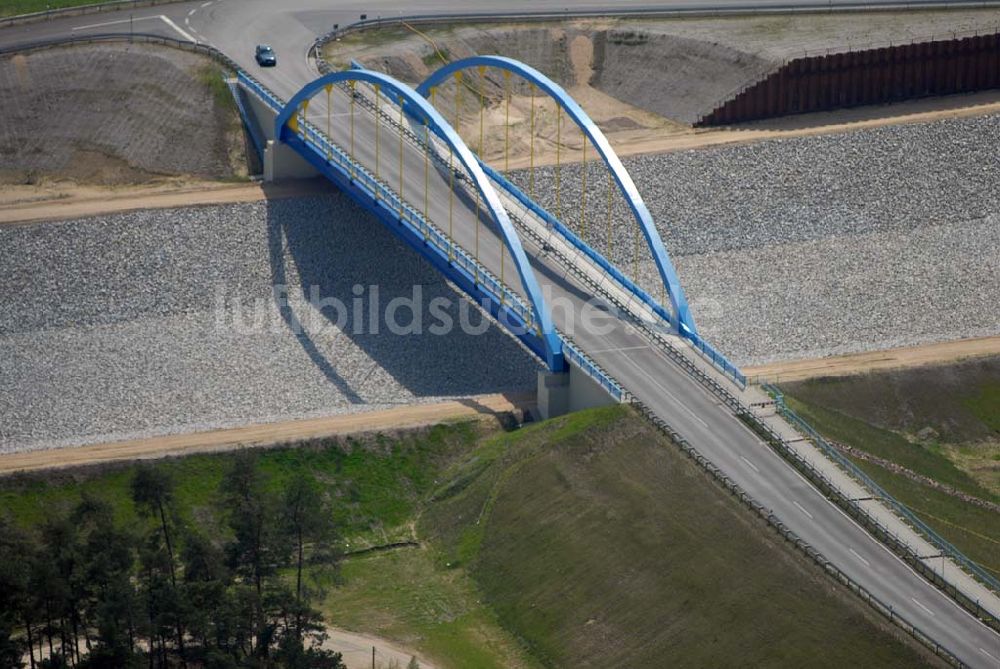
564 392
282 162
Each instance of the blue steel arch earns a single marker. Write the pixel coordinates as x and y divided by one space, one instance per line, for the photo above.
685 321
418 106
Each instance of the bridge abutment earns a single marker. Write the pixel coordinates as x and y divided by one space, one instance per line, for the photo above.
283 162
565 392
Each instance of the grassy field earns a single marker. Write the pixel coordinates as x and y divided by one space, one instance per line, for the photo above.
377 483
598 544
939 422
587 540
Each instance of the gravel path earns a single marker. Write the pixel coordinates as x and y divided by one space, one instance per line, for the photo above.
820 245
140 324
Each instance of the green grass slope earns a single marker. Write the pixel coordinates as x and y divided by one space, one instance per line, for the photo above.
377 486
961 401
598 544
887 414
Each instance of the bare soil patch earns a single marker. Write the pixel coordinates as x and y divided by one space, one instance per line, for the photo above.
487 407
115 115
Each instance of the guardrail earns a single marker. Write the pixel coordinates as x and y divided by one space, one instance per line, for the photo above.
644 12
878 491
592 369
712 355
381 191
80 10
797 542
707 351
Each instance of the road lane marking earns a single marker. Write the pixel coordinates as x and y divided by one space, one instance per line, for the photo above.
858 555
803 509
750 464
206 4
113 23
987 654
191 13
777 460
173 25
929 612
620 349
665 391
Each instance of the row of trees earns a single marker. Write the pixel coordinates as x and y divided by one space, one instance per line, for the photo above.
88 591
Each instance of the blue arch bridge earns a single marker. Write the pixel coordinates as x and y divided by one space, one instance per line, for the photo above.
434 165
400 153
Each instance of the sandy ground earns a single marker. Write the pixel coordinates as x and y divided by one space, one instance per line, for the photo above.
894 358
60 200
487 407
651 140
104 119
357 650
79 201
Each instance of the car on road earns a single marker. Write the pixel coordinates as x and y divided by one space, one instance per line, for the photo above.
265 56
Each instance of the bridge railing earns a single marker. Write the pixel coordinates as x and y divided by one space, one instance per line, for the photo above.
323 145
794 540
706 350
879 492
260 90
710 353
593 370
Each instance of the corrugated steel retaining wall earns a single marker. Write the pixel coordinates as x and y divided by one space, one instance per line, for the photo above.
871 76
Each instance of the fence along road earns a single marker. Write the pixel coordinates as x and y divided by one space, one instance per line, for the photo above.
634 360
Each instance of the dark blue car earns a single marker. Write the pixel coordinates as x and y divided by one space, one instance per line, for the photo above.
265 56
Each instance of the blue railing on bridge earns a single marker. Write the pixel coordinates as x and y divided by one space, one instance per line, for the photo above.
260 90
580 359
878 491
318 142
718 360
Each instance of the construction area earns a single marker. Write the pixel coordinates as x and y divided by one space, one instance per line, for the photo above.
793 246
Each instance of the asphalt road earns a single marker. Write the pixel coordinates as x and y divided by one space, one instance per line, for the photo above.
235 26
680 400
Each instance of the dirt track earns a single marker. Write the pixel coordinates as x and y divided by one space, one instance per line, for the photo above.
858 363
81 202
357 650
485 406
401 418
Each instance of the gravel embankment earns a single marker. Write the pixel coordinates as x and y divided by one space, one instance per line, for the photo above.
831 244
126 325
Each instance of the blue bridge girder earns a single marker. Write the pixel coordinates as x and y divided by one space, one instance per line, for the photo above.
681 312
536 331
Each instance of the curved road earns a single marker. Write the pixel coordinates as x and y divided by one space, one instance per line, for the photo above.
234 26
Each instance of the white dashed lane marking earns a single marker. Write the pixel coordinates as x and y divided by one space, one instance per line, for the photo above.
802 509
857 555
929 612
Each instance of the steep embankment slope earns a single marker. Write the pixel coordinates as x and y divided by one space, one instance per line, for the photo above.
599 544
116 114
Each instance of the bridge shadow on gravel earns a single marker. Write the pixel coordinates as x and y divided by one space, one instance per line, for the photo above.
322 249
